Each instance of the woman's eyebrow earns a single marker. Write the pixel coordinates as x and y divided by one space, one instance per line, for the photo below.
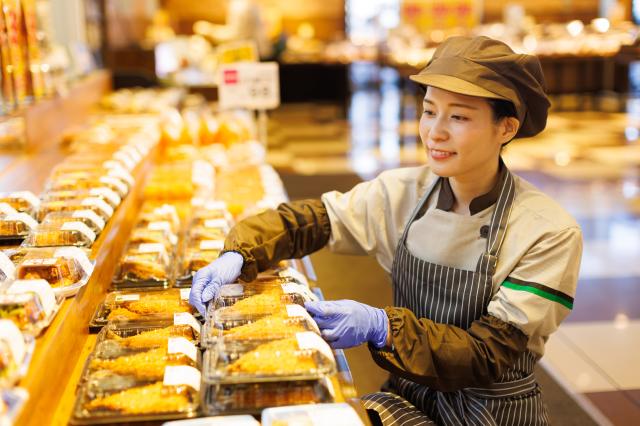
454 104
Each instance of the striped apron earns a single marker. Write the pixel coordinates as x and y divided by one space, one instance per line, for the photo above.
458 297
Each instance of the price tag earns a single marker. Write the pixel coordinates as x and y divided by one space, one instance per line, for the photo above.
296 311
77 254
120 186
6 266
178 375
6 209
212 245
180 345
163 225
81 228
249 85
296 275
24 218
41 288
107 194
100 204
28 196
151 248
91 216
185 318
184 293
310 340
127 298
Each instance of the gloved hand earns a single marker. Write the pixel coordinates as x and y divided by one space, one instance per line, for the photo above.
346 323
224 270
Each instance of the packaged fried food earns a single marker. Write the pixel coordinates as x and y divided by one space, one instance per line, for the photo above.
88 217
105 193
16 225
66 269
74 233
97 205
203 233
194 259
151 234
161 213
14 352
22 201
147 335
24 310
150 269
304 356
230 398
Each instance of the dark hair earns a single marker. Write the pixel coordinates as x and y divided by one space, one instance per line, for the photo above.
502 108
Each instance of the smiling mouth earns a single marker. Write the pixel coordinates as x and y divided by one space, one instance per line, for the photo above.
440 155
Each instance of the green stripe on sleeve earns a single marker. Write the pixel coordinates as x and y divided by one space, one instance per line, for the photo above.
561 299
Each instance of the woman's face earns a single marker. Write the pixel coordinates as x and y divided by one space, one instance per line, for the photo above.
460 135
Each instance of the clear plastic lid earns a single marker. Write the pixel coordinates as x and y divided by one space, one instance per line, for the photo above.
74 233
103 192
22 201
304 356
202 233
88 217
98 206
16 225
147 334
66 269
194 259
70 183
24 310
293 319
337 414
45 308
230 398
164 213
237 302
13 351
207 213
140 268
145 305
154 235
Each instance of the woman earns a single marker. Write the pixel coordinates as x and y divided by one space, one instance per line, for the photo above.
484 266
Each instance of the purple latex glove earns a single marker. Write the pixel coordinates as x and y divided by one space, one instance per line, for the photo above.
346 323
208 280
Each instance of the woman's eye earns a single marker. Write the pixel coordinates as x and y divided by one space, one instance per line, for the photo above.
459 118
429 113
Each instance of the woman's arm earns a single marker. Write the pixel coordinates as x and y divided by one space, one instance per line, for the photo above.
293 230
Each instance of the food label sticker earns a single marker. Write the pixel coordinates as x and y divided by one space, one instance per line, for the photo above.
178 375
81 228
120 186
293 288
296 311
180 345
122 175
184 293
24 218
91 216
217 223
151 248
41 288
185 318
107 194
127 298
99 204
296 275
38 262
215 205
13 337
163 225
77 254
28 196
6 266
310 340
212 245
6 209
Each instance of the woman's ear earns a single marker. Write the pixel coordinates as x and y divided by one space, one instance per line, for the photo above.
508 128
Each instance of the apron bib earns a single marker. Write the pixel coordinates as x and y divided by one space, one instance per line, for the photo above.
455 296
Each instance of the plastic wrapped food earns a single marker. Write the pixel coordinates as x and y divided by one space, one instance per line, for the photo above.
192 260
104 193
22 201
66 269
88 217
201 233
16 226
304 356
30 304
254 397
66 183
68 234
162 213
154 235
147 335
14 351
142 306
98 206
7 268
340 414
143 269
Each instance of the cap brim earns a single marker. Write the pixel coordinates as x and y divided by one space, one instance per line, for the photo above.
454 84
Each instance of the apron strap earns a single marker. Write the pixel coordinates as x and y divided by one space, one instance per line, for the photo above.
498 226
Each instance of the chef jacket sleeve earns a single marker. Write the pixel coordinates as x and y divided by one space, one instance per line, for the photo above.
538 293
445 357
293 230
